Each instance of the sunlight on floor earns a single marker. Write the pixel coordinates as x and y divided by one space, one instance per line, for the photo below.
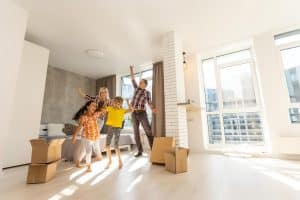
134 183
138 164
286 172
69 190
98 174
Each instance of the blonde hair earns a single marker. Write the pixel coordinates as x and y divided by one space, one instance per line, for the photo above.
104 89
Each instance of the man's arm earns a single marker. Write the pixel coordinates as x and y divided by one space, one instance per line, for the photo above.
132 77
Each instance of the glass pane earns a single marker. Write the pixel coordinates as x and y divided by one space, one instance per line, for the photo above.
214 129
147 74
291 62
211 98
237 87
294 115
233 57
243 128
288 37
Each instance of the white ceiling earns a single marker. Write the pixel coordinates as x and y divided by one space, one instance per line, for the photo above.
130 31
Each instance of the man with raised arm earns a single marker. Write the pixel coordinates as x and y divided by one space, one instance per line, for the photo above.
140 98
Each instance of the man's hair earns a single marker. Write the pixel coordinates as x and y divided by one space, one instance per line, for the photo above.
145 81
118 99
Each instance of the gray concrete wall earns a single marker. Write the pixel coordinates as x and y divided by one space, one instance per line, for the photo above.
61 98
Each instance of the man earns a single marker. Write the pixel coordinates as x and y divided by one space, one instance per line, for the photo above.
139 116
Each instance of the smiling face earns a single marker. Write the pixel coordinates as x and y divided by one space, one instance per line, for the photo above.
103 93
92 107
117 102
143 84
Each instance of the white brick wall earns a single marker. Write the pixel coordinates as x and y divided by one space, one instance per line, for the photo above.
176 117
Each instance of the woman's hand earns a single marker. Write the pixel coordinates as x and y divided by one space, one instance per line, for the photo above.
81 92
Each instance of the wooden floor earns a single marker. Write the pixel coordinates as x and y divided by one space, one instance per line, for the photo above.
211 177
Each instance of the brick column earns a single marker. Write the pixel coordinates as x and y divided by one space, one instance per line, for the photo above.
176 116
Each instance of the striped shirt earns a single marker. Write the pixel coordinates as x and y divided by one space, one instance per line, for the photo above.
90 126
140 97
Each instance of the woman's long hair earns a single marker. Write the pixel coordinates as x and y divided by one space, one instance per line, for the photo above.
102 89
82 110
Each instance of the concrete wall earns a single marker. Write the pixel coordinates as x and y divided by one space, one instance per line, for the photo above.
61 99
28 104
13 22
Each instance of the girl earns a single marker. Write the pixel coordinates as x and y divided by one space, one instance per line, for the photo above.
115 118
102 100
87 116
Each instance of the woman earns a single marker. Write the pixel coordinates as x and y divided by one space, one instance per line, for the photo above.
88 127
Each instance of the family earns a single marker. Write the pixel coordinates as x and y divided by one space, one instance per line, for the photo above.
100 110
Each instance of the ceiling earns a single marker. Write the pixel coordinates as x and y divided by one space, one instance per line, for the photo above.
131 31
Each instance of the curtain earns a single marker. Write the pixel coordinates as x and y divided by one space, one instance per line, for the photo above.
158 99
109 82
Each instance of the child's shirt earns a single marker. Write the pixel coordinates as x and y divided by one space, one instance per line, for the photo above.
90 126
115 116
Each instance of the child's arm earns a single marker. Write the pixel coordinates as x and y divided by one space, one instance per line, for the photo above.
129 107
100 113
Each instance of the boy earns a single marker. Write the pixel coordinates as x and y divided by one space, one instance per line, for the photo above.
115 118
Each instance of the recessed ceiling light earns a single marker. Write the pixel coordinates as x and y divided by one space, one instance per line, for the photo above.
96 53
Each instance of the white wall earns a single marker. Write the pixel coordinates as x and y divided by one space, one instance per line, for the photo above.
195 132
12 31
28 102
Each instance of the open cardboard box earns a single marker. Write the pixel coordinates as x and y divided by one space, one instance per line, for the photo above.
160 146
176 160
45 152
41 173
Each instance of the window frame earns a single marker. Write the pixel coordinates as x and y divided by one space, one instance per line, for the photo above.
221 111
279 48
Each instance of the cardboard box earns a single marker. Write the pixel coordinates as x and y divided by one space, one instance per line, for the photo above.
176 160
41 173
45 152
160 146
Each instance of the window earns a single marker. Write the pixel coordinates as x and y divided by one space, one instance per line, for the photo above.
231 99
127 91
289 46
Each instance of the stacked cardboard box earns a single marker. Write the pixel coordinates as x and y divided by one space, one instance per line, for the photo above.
160 146
44 158
176 160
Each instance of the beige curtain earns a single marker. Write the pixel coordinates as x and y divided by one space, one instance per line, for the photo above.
109 82
158 98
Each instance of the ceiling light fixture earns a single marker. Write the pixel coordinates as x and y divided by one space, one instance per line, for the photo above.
96 53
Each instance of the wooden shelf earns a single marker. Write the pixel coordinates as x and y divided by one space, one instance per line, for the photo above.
189 105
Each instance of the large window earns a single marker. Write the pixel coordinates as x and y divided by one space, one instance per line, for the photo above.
127 91
232 111
289 46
